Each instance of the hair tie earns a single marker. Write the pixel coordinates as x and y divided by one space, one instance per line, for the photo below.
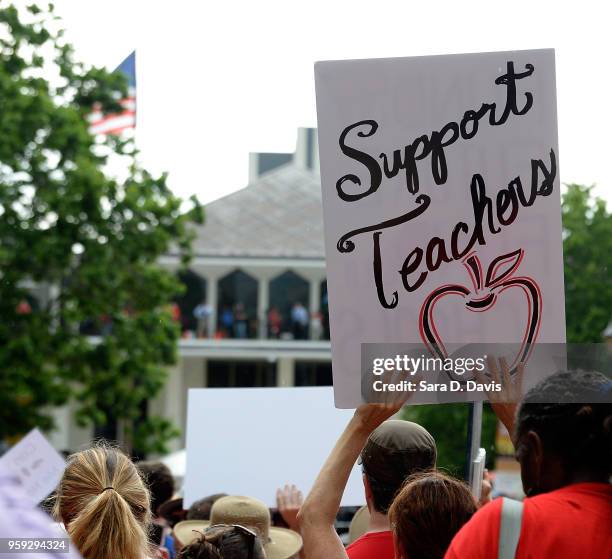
109 487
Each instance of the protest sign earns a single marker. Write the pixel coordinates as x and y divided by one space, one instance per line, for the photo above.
247 441
36 465
441 204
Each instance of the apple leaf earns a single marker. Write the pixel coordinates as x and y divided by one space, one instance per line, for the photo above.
503 266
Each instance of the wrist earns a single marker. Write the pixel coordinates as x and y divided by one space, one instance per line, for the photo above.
359 427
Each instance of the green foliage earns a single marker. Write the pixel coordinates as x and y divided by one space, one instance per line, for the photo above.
448 425
87 240
587 254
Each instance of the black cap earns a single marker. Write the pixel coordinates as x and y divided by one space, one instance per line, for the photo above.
396 450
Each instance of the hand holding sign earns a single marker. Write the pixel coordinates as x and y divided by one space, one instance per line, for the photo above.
505 402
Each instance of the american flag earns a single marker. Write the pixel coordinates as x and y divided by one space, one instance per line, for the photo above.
100 123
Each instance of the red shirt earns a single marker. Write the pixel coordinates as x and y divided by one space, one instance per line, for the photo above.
372 545
569 523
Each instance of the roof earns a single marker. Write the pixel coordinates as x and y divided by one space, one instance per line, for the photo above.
277 216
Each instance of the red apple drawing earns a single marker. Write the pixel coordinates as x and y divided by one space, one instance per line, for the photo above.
482 296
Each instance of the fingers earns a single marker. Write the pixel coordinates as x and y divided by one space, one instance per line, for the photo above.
281 502
486 489
505 369
289 497
493 369
520 373
484 381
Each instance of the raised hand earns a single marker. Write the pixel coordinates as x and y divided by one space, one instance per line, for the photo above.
289 499
505 402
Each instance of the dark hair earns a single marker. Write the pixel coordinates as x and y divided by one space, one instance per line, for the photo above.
199 549
579 434
382 494
223 542
200 510
160 482
428 511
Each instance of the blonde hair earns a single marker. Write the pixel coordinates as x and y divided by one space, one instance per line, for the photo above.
104 505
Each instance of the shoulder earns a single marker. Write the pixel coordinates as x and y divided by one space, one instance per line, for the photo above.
370 544
573 505
479 538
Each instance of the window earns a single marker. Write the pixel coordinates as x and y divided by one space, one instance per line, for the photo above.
241 374
237 305
313 373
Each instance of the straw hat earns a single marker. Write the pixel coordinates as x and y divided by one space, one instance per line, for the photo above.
359 524
278 543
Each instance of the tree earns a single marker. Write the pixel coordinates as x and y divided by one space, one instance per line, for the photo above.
92 240
587 254
448 425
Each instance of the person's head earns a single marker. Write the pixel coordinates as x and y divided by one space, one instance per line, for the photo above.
200 510
224 542
160 482
172 511
278 543
394 451
558 441
426 514
104 505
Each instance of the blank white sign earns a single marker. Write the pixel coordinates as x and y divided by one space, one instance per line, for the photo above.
250 441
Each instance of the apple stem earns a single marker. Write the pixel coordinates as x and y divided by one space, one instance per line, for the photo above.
474 268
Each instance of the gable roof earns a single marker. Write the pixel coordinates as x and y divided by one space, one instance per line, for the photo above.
277 216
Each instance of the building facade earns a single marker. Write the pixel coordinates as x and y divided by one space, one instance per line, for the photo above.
255 309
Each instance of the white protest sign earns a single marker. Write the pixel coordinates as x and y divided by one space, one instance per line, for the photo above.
441 203
36 464
251 441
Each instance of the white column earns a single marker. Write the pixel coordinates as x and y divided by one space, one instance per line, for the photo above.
193 377
263 284
211 300
285 374
315 300
60 436
315 295
169 402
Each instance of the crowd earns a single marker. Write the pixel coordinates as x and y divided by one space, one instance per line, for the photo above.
112 508
235 321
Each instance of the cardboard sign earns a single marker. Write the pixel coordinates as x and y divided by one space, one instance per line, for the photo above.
37 466
251 441
441 202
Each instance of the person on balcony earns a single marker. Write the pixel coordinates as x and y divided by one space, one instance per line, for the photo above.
275 322
299 321
202 313
241 321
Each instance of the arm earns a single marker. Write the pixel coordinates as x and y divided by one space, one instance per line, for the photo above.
317 515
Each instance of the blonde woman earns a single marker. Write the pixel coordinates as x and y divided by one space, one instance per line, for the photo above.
104 505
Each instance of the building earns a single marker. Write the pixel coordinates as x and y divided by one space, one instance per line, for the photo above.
261 248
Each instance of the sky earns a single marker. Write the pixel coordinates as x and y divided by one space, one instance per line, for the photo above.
217 80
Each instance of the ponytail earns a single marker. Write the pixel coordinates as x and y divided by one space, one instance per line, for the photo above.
104 505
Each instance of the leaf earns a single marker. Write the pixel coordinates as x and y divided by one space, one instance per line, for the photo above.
503 267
